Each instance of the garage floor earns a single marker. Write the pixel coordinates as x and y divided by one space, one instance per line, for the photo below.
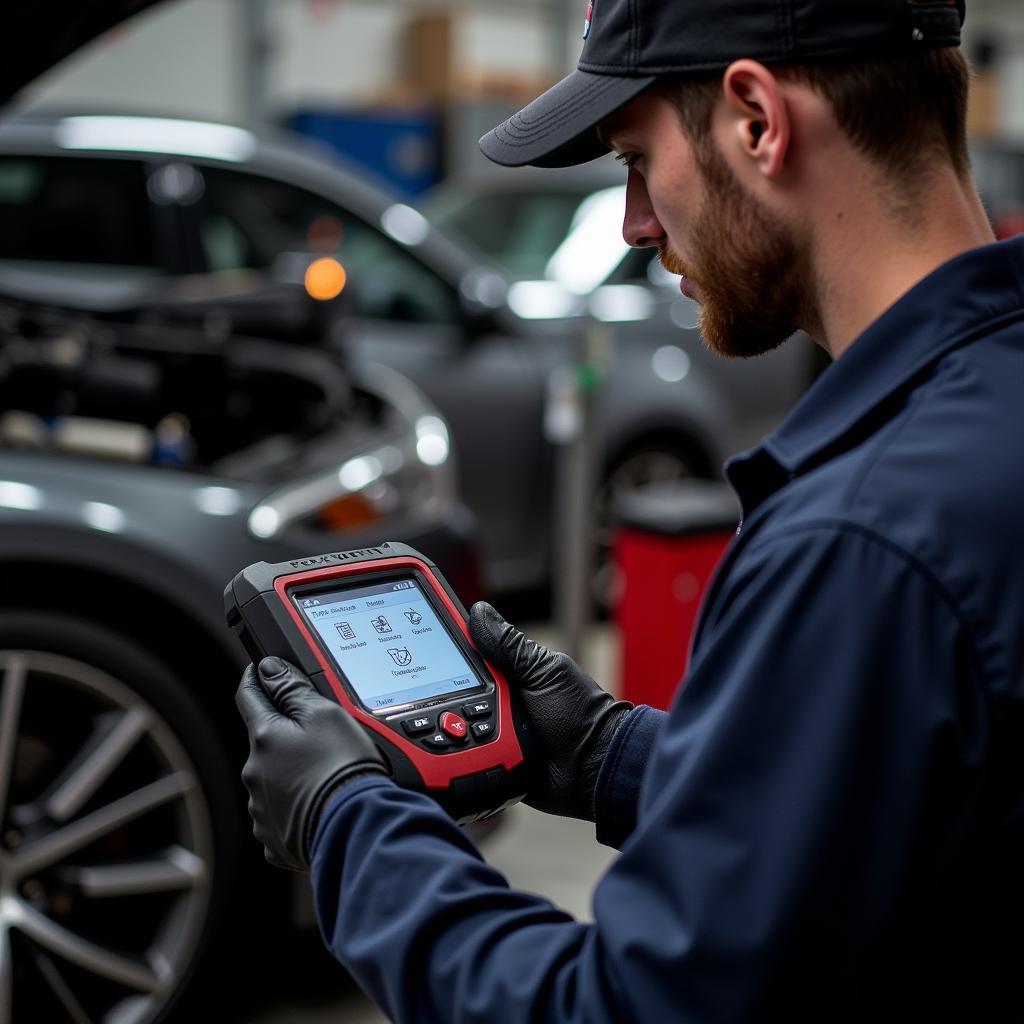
555 857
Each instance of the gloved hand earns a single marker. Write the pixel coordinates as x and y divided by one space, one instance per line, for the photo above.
303 747
572 717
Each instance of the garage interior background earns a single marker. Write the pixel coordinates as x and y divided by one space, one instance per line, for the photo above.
411 83
415 82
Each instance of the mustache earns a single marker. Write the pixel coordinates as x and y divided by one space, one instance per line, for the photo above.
672 262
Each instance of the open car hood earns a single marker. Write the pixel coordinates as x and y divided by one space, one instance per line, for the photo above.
40 35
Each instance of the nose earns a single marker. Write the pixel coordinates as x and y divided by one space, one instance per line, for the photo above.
640 228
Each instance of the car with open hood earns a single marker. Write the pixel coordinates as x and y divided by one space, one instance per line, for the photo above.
485 331
155 437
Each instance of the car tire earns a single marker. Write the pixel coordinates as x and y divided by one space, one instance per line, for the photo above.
119 841
651 462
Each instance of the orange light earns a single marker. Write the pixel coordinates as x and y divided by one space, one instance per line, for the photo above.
325 278
347 513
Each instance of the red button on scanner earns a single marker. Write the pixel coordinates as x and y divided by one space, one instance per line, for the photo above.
453 725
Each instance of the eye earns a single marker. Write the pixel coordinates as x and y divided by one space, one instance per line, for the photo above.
628 160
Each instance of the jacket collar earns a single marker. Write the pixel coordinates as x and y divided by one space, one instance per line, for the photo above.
962 300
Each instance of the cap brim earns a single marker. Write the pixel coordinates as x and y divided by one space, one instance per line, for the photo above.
559 128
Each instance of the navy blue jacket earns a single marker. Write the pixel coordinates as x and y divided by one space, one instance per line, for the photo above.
829 823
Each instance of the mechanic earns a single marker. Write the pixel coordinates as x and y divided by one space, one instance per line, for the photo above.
829 823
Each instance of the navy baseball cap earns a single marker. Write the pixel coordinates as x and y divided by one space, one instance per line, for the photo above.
629 44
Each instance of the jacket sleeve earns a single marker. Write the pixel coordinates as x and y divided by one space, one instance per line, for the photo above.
617 793
787 801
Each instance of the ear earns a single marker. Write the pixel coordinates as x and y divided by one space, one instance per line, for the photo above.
759 115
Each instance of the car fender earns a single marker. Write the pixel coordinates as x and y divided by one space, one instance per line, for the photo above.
638 408
716 403
193 595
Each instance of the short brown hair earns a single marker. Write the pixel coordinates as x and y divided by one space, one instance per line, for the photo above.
902 112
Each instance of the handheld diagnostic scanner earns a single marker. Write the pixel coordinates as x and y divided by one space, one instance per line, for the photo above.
380 631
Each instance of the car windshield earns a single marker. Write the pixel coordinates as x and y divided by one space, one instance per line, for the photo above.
536 234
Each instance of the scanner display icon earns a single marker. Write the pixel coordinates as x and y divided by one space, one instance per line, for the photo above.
400 656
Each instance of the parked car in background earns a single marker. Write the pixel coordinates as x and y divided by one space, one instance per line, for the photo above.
999 172
142 464
152 197
533 223
671 409
171 409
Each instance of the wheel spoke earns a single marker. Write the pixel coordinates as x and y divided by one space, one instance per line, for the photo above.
60 988
52 848
176 869
6 972
91 767
89 955
90 833
15 673
133 1010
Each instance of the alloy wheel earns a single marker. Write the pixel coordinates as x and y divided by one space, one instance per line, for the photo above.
105 849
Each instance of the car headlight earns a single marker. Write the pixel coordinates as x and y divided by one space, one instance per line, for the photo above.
410 472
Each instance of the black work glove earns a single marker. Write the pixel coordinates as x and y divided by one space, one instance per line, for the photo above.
572 717
303 747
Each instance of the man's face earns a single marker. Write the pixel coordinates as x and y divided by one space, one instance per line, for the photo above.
739 260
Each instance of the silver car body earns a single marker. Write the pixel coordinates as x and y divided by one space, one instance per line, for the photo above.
487 357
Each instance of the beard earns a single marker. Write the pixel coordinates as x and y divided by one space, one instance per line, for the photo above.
750 274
